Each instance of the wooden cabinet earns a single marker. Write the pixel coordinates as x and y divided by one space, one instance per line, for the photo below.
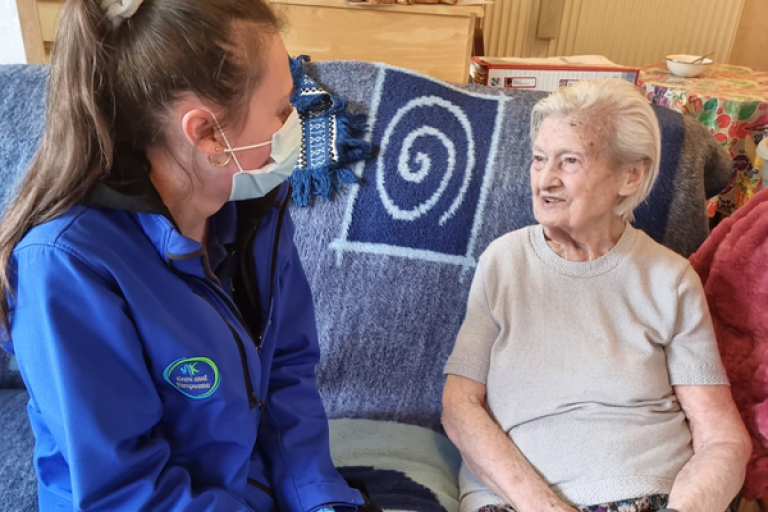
433 39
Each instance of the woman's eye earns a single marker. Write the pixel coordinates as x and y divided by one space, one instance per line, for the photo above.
571 160
538 158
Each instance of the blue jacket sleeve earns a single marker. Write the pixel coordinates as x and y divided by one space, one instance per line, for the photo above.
293 435
93 401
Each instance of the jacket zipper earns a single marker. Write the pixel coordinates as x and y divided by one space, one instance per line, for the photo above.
249 264
272 271
260 486
253 398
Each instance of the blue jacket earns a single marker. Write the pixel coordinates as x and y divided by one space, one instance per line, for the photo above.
164 377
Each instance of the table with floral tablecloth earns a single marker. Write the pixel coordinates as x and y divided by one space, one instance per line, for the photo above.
732 101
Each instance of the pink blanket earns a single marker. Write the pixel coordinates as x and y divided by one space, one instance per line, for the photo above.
733 265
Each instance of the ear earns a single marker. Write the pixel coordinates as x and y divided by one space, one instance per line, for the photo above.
633 177
201 130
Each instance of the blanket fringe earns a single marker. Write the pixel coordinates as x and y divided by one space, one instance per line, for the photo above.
310 99
351 128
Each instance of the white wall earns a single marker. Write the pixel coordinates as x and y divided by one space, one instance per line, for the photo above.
11 41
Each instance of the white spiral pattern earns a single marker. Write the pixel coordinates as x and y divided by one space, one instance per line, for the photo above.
424 161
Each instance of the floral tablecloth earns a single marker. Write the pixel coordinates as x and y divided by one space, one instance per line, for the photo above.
732 101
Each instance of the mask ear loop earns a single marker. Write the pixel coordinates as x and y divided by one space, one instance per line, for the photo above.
229 153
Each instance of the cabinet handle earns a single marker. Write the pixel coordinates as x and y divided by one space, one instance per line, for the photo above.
550 15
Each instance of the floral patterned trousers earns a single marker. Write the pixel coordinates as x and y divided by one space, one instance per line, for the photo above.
644 504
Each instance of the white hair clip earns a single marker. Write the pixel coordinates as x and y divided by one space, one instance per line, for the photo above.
118 10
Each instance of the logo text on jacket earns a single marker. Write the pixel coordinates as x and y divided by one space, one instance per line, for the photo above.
195 377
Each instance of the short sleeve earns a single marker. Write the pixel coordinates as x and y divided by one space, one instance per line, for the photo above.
692 355
471 355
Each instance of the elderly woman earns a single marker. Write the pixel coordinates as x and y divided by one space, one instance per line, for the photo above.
586 374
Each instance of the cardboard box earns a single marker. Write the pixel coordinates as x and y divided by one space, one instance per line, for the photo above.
546 74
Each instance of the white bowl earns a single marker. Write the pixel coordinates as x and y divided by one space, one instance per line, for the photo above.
680 65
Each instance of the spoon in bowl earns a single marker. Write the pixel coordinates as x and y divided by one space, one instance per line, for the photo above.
701 59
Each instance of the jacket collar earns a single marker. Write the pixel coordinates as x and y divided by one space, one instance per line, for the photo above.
128 187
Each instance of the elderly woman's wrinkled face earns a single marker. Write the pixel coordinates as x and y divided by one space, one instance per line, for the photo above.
575 187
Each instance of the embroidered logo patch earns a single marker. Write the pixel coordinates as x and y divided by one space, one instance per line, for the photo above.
195 377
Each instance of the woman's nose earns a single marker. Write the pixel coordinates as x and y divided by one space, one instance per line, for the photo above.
549 175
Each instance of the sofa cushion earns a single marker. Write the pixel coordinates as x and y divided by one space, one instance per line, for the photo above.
22 113
18 484
403 467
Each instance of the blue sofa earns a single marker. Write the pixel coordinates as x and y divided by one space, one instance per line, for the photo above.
390 260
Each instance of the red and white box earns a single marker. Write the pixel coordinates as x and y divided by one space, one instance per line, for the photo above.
546 74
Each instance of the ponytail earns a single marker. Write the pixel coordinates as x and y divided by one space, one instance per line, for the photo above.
76 146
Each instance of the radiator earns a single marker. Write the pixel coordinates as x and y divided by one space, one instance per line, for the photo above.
631 32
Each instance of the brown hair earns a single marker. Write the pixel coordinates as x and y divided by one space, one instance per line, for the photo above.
111 84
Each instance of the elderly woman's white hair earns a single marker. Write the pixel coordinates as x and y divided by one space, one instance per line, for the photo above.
628 127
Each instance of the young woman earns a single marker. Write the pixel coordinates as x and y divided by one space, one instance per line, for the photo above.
166 332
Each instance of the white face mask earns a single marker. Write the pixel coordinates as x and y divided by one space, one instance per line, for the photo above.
286 147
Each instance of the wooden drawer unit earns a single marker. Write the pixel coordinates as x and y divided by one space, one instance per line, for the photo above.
435 40
432 39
